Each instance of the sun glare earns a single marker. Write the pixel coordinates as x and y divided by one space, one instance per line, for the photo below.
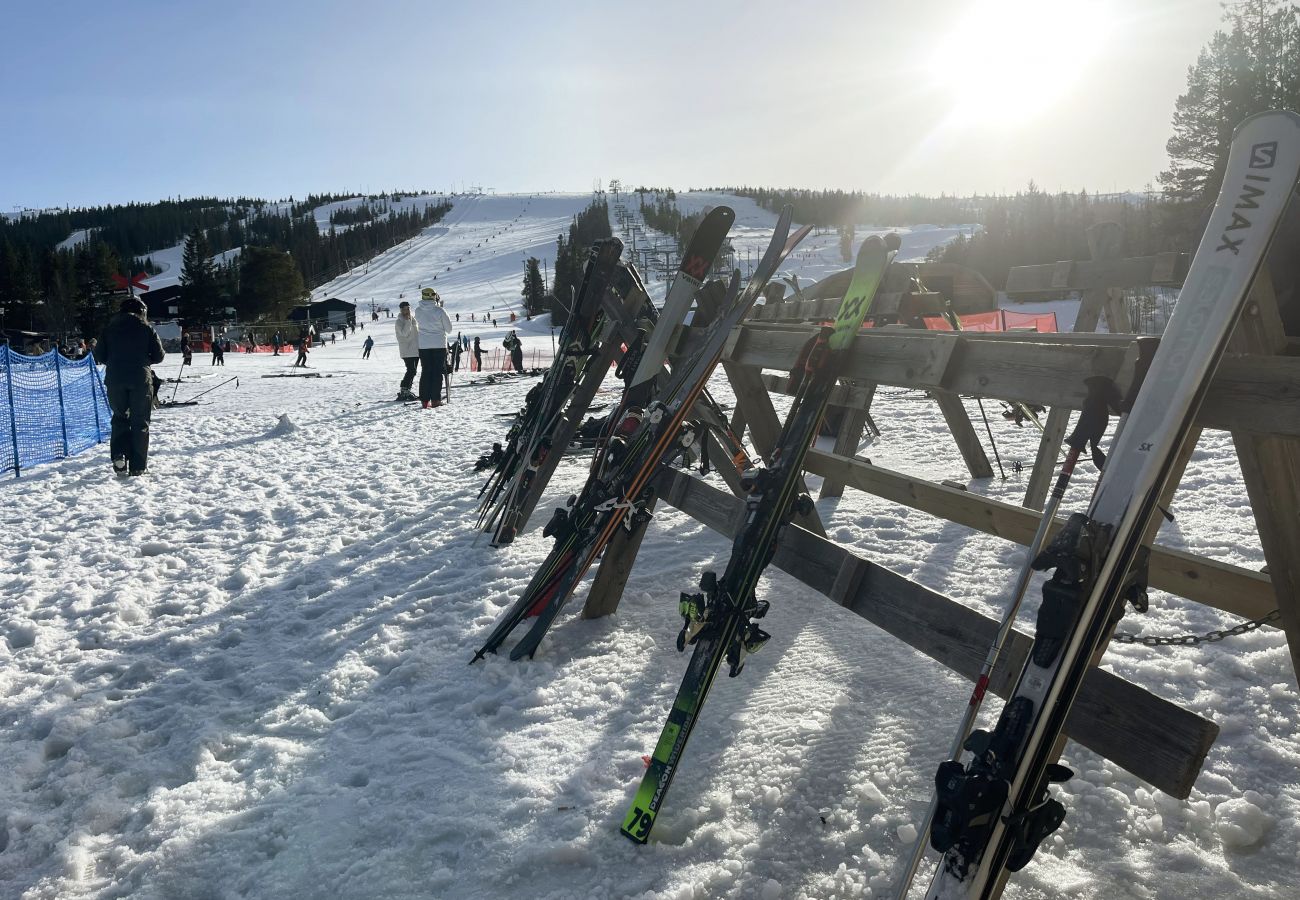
1004 61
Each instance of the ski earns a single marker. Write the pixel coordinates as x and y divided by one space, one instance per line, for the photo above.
700 253
697 261
621 472
720 620
994 811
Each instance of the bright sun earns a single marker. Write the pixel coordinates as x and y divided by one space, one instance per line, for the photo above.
1003 61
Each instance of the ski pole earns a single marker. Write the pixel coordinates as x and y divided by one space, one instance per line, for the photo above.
1103 396
234 378
179 373
992 443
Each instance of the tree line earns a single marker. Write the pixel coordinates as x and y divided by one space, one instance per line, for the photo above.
588 226
283 252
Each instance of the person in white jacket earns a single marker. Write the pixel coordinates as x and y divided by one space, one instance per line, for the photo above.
434 326
408 347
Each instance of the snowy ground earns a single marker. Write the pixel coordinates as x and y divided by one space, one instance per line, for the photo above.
245 674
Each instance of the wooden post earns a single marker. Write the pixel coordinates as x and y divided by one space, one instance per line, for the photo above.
852 424
1103 244
1270 466
963 432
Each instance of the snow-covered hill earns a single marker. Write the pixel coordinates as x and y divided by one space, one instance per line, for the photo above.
245 675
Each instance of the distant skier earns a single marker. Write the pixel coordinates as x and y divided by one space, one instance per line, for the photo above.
218 353
367 347
434 325
408 348
304 347
478 355
187 354
127 348
275 344
455 351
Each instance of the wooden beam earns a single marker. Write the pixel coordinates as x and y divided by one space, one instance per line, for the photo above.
1167 269
1152 738
1270 466
1221 585
852 423
1259 394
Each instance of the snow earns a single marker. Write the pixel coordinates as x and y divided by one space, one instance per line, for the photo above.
245 674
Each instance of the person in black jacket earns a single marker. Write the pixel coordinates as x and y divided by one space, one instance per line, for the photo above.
126 349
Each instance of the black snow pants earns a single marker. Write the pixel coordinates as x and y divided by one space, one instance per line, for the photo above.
409 378
432 363
132 404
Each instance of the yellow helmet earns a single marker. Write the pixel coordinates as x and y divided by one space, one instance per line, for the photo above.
429 294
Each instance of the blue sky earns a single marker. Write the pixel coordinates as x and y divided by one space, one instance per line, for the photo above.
134 100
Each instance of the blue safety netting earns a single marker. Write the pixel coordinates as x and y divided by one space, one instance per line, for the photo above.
50 407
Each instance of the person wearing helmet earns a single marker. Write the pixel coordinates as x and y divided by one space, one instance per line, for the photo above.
434 326
126 349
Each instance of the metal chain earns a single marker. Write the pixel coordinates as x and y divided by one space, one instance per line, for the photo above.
1191 640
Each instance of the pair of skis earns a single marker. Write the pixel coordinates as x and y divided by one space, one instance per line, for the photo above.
551 435
618 488
993 811
721 621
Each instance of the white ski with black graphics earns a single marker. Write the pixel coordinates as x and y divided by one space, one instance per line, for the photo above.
995 811
697 261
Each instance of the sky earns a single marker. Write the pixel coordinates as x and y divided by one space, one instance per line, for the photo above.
144 99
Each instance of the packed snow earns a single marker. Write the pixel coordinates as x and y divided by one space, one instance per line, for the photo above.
245 674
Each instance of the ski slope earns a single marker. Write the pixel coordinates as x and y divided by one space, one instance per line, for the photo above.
245 675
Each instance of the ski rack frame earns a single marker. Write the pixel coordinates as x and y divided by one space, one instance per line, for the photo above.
1252 396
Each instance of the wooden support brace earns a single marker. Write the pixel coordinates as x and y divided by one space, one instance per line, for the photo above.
1221 585
1152 738
1270 466
852 423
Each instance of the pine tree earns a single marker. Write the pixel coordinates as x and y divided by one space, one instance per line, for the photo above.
534 292
199 290
1251 67
269 283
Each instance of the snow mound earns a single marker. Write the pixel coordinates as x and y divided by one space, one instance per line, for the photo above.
284 425
1242 824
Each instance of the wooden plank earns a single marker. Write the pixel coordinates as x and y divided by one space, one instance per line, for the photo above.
615 568
1140 271
863 395
1221 585
1270 466
1150 737
1249 393
963 432
852 423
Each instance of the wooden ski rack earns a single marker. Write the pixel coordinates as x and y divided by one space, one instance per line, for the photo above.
1255 395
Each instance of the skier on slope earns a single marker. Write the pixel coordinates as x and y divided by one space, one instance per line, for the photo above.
478 355
367 347
126 349
434 325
